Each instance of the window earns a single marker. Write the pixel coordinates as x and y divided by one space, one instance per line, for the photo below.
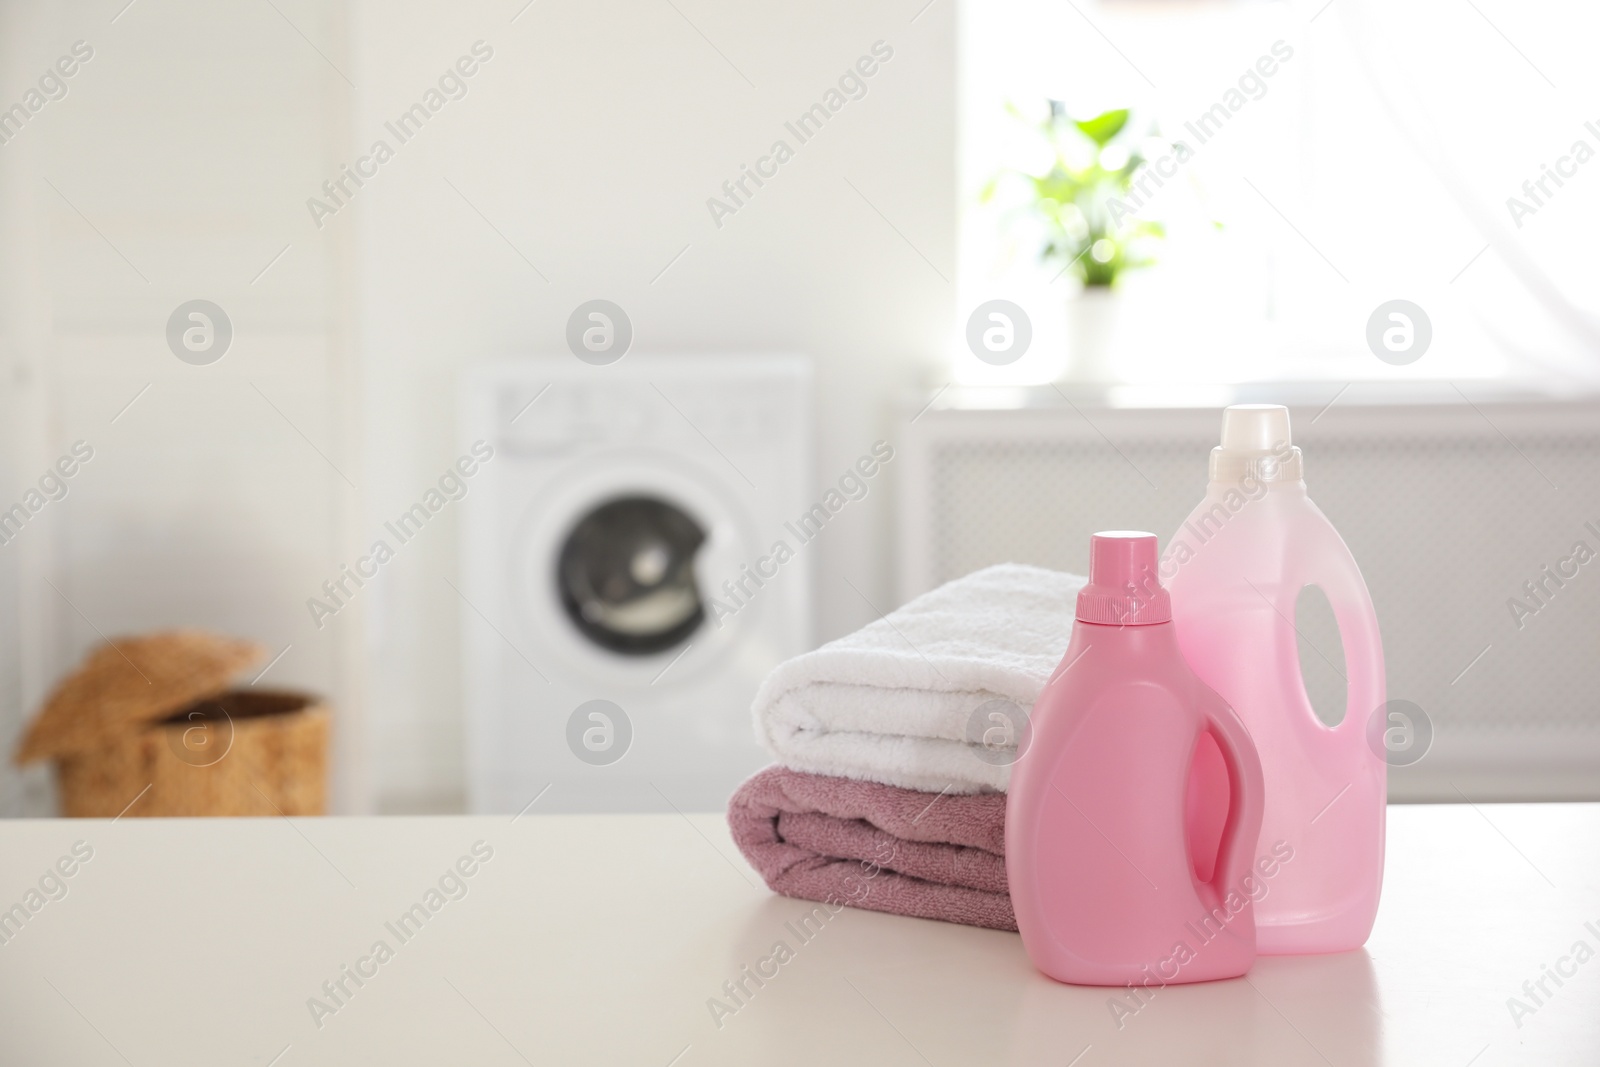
1338 157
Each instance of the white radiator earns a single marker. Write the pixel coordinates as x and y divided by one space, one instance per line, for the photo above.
1450 507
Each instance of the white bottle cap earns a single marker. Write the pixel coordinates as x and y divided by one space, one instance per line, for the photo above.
1256 446
1255 427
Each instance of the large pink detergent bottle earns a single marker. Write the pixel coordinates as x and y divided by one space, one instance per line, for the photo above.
1235 569
1104 872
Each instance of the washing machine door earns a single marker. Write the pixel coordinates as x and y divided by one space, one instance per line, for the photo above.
621 556
626 574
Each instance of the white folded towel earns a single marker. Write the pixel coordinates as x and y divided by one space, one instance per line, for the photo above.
892 702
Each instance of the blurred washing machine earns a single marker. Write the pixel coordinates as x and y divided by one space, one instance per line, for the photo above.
613 636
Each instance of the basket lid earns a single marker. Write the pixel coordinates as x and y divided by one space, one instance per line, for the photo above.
131 681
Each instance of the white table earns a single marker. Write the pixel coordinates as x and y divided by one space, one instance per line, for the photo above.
600 939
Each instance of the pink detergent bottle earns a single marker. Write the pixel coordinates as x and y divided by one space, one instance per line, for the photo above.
1099 856
1235 569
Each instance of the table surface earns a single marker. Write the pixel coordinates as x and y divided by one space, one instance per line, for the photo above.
607 939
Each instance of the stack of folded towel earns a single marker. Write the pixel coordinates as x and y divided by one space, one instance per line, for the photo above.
889 793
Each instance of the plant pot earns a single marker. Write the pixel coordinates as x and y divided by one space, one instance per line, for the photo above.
1092 320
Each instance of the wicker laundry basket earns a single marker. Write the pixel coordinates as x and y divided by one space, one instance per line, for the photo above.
149 726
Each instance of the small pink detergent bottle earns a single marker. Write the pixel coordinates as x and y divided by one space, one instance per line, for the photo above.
1099 856
1235 569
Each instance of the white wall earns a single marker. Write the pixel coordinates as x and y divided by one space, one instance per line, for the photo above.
174 168
591 141
185 153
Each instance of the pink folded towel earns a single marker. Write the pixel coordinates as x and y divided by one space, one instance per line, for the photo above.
874 846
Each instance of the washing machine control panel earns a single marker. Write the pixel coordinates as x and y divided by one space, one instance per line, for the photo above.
564 416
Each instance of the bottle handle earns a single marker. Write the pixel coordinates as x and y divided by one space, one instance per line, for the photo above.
1347 594
1246 800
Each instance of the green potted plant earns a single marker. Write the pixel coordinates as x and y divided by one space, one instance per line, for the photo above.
1091 162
